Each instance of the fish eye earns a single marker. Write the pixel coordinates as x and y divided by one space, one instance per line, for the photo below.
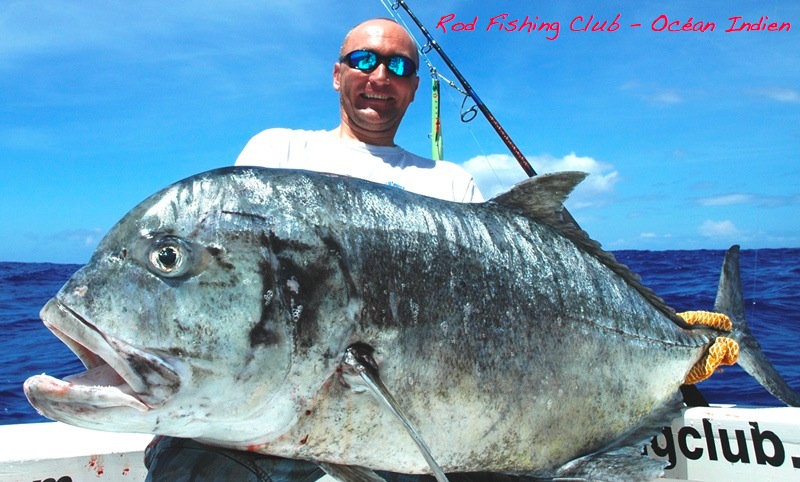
170 257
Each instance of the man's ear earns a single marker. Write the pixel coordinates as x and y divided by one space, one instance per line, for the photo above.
416 86
337 76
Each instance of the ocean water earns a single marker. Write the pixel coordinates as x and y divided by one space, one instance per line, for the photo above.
687 280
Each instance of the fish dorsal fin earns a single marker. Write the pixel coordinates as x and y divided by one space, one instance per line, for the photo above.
542 197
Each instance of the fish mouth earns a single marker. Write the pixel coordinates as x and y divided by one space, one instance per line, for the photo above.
117 374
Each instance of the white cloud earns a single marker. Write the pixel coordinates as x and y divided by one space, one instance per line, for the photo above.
87 238
664 97
727 200
781 94
655 94
496 173
655 236
752 199
716 229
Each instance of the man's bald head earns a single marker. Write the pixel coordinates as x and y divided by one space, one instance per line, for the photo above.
383 28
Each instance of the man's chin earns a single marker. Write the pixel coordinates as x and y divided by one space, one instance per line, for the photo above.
376 113
373 121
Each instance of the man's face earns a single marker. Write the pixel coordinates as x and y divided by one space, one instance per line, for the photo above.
374 103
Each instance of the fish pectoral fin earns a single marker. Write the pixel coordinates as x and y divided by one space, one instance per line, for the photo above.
710 319
358 358
350 473
724 351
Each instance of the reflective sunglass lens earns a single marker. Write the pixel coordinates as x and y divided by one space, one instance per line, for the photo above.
399 65
366 61
363 60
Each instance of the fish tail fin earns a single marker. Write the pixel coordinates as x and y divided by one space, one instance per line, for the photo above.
730 301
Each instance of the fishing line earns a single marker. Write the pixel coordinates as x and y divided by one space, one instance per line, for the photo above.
755 267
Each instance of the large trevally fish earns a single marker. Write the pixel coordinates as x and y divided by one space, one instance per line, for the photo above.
244 307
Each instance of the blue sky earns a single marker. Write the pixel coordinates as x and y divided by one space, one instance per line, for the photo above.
692 139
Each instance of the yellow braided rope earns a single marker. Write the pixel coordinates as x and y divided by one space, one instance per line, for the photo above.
724 350
712 320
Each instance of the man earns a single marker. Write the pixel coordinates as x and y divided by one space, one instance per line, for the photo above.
373 99
376 80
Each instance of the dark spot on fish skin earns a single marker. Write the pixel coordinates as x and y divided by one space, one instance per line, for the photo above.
220 284
279 245
217 254
335 249
314 280
181 326
177 352
304 440
263 336
260 334
306 276
308 412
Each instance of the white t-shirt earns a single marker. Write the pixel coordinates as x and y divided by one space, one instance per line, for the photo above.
324 151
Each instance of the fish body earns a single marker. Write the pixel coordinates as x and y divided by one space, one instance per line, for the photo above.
221 307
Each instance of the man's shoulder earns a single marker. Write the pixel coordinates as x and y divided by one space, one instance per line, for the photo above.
286 135
440 179
278 147
441 167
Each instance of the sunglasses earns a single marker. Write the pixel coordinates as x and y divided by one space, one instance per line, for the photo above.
367 61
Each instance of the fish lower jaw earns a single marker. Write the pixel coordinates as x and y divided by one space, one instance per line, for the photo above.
52 396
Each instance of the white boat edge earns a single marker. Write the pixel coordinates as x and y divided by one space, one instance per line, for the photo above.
708 444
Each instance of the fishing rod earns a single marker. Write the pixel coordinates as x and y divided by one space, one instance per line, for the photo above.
470 91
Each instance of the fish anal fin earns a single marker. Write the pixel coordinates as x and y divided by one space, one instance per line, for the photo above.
710 319
724 351
627 463
350 473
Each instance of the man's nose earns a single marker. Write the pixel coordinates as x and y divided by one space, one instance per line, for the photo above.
380 74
